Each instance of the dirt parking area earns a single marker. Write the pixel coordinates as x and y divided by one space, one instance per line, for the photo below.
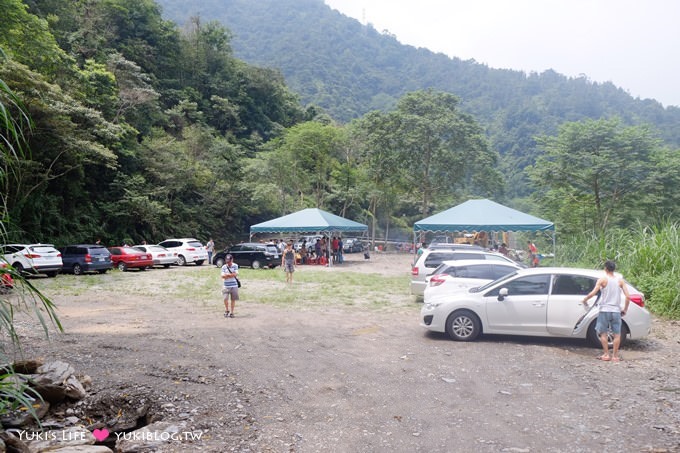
347 378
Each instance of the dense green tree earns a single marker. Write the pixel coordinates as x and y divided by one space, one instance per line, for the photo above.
595 174
302 163
442 152
380 166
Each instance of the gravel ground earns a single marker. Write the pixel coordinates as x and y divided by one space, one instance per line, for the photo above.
344 378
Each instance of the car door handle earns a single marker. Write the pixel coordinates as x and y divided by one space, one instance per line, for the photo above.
538 304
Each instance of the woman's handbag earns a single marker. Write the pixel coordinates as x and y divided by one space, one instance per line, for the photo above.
238 282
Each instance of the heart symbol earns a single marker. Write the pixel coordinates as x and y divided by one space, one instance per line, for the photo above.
100 434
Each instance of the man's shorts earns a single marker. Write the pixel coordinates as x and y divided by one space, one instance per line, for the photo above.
608 320
289 266
233 290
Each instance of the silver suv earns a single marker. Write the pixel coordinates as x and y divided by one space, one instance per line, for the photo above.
428 261
33 258
188 250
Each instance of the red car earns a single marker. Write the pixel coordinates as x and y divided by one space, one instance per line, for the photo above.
125 258
6 280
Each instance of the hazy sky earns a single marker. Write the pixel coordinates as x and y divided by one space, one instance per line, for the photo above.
635 44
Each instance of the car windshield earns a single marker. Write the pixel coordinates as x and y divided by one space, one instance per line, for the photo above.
272 249
490 284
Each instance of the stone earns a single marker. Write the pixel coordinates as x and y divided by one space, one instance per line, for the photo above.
54 372
50 380
21 418
74 389
83 449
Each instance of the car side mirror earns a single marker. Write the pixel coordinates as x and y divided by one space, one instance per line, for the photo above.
502 294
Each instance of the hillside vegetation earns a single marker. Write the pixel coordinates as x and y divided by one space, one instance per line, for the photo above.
349 69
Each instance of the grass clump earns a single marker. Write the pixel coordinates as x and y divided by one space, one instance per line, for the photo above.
647 256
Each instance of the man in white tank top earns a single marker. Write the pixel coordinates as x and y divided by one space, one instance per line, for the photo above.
609 317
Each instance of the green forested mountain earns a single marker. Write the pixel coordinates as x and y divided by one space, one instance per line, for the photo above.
116 123
349 69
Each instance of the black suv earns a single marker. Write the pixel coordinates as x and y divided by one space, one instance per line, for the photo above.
85 258
250 254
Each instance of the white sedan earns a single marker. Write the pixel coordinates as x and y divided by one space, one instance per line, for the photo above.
161 256
539 301
461 275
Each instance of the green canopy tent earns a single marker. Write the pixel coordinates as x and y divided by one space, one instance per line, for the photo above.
310 220
482 215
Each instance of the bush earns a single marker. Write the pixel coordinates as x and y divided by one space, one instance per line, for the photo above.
646 256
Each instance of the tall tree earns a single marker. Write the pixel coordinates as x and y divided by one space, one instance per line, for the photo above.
304 161
595 174
442 152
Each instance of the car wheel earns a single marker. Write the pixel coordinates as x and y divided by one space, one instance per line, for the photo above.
200 262
122 266
463 325
19 268
77 270
256 264
181 261
594 339
219 262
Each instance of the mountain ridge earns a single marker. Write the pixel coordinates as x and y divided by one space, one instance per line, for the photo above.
347 68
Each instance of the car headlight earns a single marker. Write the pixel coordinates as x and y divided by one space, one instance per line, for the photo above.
432 305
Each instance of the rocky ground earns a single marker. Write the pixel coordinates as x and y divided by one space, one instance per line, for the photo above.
345 378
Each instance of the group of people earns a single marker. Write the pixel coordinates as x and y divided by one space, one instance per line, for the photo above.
322 251
289 258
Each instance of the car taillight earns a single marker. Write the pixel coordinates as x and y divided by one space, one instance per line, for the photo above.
638 299
31 256
437 280
414 270
88 258
191 249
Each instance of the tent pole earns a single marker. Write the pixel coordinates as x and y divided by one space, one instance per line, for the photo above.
415 252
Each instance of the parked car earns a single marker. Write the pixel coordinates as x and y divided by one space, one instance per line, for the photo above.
543 302
32 258
189 250
352 245
6 279
428 261
452 246
125 258
160 255
250 254
461 275
80 258
309 241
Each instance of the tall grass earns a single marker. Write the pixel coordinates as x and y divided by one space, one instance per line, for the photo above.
647 256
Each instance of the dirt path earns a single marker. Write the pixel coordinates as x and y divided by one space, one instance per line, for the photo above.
346 379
